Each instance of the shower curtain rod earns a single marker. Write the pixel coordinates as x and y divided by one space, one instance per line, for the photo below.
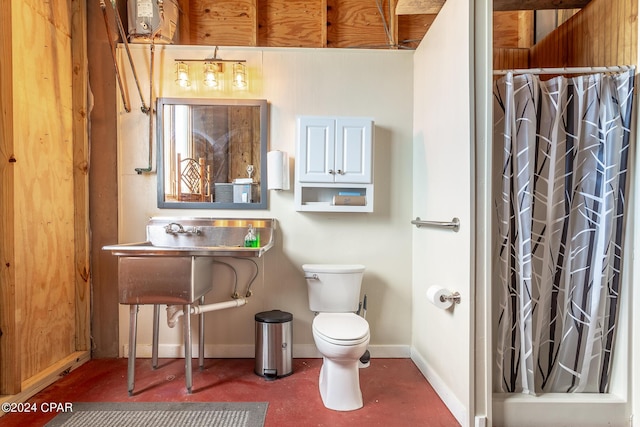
566 70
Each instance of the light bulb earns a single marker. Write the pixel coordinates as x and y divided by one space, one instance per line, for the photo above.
182 74
239 75
211 78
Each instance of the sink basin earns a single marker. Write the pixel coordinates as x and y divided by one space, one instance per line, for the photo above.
174 264
199 237
163 280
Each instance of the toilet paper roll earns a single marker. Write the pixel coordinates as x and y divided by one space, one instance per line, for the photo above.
277 170
434 294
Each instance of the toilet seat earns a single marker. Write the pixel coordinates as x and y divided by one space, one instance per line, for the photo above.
346 329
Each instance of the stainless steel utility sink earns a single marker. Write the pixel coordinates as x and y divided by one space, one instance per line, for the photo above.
173 266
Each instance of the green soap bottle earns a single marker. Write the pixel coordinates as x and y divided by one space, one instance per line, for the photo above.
256 242
250 238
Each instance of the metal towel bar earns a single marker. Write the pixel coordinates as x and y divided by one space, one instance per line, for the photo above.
454 224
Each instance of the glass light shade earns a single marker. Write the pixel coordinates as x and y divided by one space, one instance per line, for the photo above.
182 74
211 73
239 75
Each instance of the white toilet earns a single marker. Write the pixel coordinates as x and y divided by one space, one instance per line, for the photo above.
341 336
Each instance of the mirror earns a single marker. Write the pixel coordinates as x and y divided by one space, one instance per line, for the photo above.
212 153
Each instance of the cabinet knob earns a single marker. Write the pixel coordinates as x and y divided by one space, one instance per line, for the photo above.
340 172
332 172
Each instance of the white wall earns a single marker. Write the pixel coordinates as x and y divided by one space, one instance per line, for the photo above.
443 147
375 83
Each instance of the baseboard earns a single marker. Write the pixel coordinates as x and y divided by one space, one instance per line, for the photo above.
44 379
221 351
448 397
243 351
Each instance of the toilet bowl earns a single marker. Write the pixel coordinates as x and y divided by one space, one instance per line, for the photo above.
340 335
341 338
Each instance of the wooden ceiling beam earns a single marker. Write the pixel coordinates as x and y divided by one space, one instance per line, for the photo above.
420 7
506 5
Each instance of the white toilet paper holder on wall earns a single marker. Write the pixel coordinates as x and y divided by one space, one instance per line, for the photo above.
454 297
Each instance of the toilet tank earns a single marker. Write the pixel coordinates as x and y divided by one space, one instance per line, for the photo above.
333 288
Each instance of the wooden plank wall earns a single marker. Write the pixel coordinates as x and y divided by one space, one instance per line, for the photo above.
299 23
412 28
44 209
513 29
244 145
223 22
359 24
512 38
294 23
604 33
510 58
43 186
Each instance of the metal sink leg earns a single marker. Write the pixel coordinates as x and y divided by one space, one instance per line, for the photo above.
156 334
187 346
201 338
133 323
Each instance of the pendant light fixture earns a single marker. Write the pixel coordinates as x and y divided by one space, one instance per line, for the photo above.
214 73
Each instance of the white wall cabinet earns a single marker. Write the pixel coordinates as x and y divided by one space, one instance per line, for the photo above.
334 164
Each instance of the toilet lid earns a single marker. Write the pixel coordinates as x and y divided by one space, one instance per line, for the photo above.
333 268
341 328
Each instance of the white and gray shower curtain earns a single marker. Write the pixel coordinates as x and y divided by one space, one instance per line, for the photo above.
561 182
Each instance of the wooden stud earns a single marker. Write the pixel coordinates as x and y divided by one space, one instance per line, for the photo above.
324 22
81 173
538 4
392 19
184 22
525 28
10 377
412 7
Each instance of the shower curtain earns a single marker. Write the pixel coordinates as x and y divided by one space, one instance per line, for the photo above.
562 157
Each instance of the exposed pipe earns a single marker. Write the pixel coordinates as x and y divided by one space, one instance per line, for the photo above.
123 93
149 167
175 311
123 36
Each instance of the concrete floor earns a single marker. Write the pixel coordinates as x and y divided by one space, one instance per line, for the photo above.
395 393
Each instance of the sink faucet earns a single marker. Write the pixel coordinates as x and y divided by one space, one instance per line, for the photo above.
177 228
170 230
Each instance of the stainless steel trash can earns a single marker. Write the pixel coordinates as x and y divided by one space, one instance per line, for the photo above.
273 344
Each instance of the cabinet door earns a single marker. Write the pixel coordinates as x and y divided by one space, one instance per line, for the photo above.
353 155
316 144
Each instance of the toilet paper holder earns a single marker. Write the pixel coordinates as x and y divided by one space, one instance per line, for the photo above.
454 297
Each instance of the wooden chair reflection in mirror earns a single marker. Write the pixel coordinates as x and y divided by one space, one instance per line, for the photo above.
194 180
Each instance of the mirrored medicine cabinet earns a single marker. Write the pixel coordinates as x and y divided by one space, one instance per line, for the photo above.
212 153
